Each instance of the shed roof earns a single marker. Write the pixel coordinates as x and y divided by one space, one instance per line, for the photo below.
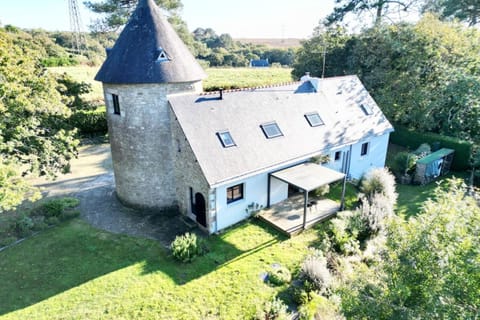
308 176
242 113
148 50
439 154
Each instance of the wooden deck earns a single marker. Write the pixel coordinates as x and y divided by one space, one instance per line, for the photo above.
287 216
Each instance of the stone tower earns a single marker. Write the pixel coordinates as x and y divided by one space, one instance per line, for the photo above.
147 62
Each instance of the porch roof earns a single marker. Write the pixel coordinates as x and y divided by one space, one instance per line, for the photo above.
308 176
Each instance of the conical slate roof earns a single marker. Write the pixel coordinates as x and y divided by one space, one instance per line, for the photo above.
149 50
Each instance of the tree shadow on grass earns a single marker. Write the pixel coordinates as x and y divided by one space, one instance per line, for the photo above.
74 253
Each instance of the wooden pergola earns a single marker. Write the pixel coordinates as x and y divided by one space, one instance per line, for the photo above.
307 177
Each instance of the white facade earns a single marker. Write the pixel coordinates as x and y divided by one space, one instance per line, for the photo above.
255 188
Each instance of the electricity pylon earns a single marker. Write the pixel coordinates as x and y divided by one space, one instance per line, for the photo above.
75 26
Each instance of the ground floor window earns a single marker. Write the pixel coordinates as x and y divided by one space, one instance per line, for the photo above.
235 193
364 149
338 155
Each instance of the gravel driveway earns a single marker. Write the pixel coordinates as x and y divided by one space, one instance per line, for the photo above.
91 180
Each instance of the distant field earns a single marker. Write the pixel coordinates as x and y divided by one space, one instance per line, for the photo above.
226 78
272 42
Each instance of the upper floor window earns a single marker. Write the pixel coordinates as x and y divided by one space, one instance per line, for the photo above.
314 119
235 193
116 104
364 150
226 139
338 155
271 130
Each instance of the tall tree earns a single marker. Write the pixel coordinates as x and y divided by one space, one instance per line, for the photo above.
380 9
32 119
463 10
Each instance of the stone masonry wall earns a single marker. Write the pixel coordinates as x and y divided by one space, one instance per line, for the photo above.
141 143
188 173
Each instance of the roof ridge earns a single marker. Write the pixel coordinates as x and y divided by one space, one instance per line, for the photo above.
273 85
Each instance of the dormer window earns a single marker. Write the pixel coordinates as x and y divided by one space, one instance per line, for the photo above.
271 130
314 119
226 139
366 109
162 55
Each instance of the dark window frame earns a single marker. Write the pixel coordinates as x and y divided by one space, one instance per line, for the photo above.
235 193
310 120
116 104
265 130
223 142
338 155
364 149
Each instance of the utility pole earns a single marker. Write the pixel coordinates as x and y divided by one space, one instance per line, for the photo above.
75 27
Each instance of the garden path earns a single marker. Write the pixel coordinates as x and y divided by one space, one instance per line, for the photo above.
91 180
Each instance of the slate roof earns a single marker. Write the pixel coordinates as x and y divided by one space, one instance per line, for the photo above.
148 50
337 100
259 63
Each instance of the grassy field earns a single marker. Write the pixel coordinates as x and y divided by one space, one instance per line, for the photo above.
217 78
76 272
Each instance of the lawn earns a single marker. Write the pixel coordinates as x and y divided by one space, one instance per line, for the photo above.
217 78
77 272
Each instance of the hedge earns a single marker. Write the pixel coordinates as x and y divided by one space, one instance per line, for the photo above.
412 140
90 122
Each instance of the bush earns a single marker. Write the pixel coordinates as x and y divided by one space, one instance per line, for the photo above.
316 274
185 248
7 240
319 308
279 276
412 140
375 211
379 180
404 163
90 121
56 207
273 309
346 229
24 226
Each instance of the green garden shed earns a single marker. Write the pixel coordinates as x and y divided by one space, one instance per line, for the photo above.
434 165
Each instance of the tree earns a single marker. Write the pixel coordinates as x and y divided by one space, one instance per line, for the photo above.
381 9
33 138
463 10
429 266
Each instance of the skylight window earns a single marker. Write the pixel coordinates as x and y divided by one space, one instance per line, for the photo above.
314 119
366 109
226 139
271 130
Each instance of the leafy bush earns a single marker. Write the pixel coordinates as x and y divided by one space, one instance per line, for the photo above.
404 163
90 121
423 150
5 241
319 308
273 309
315 272
375 211
413 139
185 248
57 207
346 229
279 276
379 180
24 226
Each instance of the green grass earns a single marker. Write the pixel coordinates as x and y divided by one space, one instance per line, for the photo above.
351 194
228 78
77 272
217 78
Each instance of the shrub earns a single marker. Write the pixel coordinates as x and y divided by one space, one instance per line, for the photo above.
379 180
404 163
273 309
346 229
321 191
24 226
423 150
319 308
375 211
56 207
7 240
279 276
315 272
90 121
412 139
185 248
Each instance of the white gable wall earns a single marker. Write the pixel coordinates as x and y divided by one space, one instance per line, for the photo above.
255 188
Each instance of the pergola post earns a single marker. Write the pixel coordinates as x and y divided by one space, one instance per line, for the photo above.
269 187
342 201
305 208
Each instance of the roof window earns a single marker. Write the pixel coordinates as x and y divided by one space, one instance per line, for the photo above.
271 130
366 109
162 55
226 139
314 119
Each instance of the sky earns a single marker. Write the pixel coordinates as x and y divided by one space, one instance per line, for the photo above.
241 19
